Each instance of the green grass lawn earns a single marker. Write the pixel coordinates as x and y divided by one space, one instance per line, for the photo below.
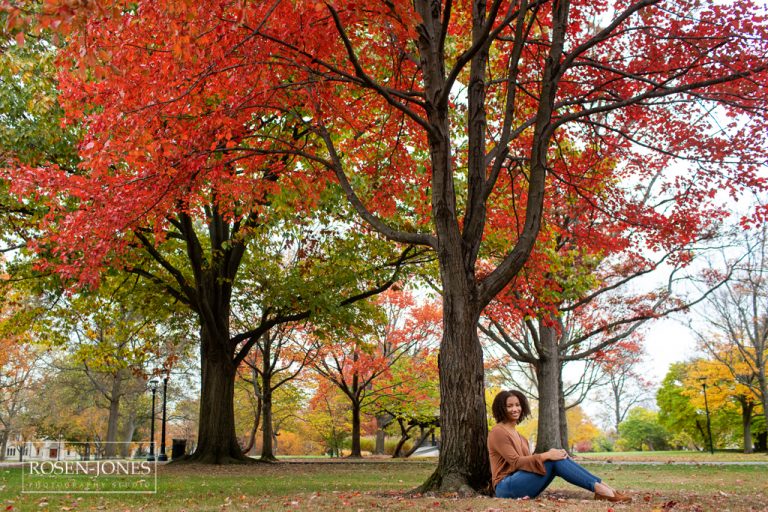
677 456
382 485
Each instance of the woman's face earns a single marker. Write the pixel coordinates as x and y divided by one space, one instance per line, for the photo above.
514 409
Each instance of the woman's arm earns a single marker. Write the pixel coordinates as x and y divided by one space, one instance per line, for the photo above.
513 454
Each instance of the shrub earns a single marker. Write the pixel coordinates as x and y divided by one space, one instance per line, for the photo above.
604 444
584 446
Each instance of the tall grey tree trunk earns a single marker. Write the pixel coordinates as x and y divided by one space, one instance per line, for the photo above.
129 428
548 371
114 414
382 420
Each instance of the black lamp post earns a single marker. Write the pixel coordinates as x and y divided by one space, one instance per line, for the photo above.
153 386
163 456
709 424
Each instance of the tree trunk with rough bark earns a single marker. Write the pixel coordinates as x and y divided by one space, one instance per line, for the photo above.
548 371
463 463
217 439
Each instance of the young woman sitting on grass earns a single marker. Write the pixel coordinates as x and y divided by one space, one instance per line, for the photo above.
518 474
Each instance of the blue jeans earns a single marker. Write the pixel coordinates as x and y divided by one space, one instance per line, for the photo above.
521 484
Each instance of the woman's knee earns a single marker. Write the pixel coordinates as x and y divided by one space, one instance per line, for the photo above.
563 465
556 463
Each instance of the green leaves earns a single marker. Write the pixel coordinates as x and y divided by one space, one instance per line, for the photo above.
31 128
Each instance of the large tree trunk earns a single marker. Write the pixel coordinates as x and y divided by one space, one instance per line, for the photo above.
114 415
463 464
548 376
217 438
267 448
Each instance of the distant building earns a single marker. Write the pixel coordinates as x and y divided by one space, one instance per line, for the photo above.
45 449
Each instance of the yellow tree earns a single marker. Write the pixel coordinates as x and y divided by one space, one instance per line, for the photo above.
737 319
582 432
722 383
329 416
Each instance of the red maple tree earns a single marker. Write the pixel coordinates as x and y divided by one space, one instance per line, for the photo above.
578 296
375 366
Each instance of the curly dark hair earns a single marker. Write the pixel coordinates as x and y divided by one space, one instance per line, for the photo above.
499 407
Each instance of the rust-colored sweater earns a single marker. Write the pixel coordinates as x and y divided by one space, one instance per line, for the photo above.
509 452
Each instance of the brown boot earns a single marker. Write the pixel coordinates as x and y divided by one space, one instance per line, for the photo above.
616 498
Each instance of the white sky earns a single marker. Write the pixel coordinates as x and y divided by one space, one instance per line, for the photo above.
667 341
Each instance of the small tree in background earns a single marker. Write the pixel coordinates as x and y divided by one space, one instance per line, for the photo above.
641 430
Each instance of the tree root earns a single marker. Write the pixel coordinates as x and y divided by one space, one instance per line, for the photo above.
214 459
448 483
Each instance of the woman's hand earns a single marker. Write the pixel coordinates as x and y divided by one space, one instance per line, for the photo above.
555 454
